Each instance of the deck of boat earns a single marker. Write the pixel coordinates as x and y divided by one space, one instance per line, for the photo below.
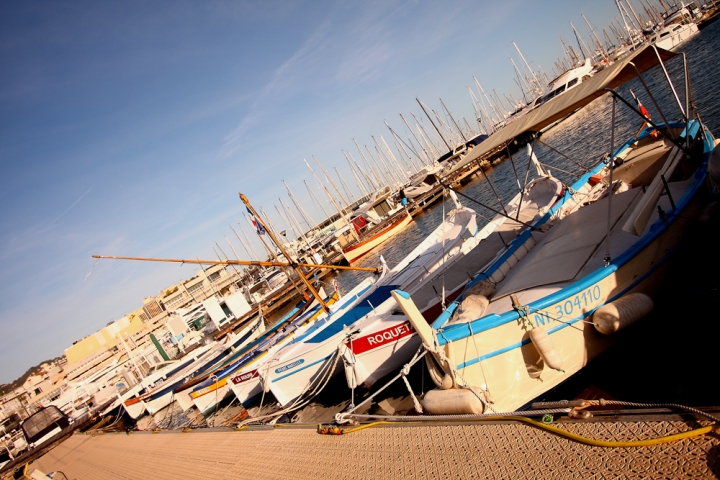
475 450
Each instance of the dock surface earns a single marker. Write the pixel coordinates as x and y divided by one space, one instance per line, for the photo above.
478 450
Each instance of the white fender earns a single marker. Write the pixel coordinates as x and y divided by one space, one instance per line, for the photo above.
455 401
622 312
545 348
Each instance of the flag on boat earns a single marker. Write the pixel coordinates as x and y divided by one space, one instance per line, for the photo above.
258 226
643 111
641 107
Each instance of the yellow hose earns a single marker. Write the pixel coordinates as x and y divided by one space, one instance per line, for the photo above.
557 431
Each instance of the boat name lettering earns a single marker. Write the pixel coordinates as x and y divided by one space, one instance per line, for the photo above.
289 366
377 339
571 307
244 377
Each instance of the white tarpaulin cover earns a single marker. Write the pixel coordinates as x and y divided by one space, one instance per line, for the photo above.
565 104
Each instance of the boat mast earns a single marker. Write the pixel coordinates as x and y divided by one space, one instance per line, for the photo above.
453 120
433 124
378 180
537 82
339 210
634 14
327 217
305 215
580 43
358 182
294 264
427 161
426 138
348 192
597 40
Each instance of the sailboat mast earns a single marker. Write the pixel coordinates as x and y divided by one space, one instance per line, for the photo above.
307 283
433 124
537 82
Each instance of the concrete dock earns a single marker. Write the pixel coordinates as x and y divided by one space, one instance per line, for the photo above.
473 450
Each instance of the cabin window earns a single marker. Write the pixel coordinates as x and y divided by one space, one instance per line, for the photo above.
572 83
664 34
677 28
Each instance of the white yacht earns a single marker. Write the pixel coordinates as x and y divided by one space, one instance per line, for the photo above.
678 27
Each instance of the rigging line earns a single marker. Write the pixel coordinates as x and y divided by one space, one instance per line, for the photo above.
522 190
489 208
610 183
563 155
577 175
497 197
653 124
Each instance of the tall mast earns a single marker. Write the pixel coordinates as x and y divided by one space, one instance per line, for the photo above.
339 210
310 191
358 181
308 284
634 14
581 43
537 82
433 124
305 215
344 185
329 180
599 44
427 161
453 120
378 179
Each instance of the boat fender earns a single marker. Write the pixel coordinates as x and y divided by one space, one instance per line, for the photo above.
545 348
622 312
714 164
483 287
265 384
455 401
471 308
440 378
708 213
350 375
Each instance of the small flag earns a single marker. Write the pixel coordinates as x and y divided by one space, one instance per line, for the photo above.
258 226
641 107
335 285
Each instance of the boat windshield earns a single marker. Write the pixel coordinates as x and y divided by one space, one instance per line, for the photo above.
40 420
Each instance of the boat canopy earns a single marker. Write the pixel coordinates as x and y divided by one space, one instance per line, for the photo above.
611 77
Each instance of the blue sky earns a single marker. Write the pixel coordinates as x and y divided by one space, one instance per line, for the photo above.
128 128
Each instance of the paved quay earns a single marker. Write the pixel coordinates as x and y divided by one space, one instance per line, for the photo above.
479 450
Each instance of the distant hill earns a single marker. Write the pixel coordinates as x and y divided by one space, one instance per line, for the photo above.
9 387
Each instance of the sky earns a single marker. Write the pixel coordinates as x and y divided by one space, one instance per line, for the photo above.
128 128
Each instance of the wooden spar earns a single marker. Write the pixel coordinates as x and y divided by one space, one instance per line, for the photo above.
238 262
294 265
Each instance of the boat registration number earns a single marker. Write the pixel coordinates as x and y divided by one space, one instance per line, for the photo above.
570 308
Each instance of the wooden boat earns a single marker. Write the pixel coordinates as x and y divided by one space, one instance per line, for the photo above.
591 274
371 238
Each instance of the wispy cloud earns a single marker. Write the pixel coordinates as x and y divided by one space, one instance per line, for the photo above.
70 207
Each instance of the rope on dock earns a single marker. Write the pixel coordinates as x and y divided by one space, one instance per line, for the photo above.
305 397
544 426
